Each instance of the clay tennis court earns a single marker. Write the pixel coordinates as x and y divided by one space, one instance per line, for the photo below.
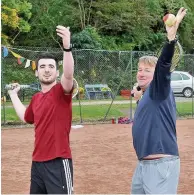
104 159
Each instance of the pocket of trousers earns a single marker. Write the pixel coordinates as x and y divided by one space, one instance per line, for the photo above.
165 168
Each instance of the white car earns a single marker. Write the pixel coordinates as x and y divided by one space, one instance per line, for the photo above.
182 83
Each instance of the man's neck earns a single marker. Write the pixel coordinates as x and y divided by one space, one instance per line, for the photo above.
144 88
45 88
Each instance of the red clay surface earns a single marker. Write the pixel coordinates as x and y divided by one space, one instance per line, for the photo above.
103 155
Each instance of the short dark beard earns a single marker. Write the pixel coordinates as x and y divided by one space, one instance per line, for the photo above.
46 82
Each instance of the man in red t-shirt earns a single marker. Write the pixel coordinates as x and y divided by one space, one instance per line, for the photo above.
51 113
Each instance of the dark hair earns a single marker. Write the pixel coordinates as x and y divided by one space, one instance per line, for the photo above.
47 56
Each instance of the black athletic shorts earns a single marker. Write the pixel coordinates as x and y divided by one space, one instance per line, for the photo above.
52 177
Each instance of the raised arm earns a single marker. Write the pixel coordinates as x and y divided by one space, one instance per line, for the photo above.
68 62
19 107
160 86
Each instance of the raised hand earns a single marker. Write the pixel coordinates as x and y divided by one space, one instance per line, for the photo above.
13 88
172 30
137 94
65 34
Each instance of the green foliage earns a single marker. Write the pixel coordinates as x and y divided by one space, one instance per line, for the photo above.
117 43
12 72
87 39
46 16
15 15
106 24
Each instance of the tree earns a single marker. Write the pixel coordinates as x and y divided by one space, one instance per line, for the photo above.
121 24
15 15
85 9
43 33
87 39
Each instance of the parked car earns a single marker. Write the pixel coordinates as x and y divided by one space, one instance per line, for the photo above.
182 83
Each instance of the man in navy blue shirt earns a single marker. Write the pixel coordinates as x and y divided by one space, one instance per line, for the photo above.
154 127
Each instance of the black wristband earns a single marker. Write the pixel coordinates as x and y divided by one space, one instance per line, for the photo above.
173 41
67 50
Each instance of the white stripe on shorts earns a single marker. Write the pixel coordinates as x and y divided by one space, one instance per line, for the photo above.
67 176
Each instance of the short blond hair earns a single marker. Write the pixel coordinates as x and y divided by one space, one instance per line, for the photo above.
150 60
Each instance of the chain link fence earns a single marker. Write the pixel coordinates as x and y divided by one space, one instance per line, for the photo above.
105 79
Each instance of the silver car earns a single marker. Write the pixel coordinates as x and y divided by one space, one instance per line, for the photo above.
182 83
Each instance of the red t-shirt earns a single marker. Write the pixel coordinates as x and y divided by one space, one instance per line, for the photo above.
51 113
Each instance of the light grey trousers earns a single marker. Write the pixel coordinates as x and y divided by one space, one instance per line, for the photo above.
159 176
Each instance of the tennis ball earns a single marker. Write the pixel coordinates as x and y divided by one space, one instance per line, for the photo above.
169 19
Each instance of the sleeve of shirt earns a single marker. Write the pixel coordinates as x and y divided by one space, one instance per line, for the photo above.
29 115
60 93
160 85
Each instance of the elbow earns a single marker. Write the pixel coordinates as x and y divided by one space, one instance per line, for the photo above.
67 76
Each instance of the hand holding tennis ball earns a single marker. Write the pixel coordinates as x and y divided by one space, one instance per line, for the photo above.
172 23
169 19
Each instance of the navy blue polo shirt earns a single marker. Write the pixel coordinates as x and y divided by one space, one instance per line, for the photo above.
154 127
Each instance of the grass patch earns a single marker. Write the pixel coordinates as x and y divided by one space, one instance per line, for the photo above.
97 112
118 98
89 112
10 115
185 108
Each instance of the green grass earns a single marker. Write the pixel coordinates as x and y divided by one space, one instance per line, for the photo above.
117 98
185 108
97 112
10 115
89 112
8 103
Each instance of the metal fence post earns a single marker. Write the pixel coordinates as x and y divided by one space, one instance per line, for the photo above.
3 89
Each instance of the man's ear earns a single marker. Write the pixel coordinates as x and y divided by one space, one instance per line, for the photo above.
36 73
57 73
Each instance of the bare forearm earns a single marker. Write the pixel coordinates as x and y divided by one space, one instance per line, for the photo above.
171 37
68 70
19 107
68 62
68 65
